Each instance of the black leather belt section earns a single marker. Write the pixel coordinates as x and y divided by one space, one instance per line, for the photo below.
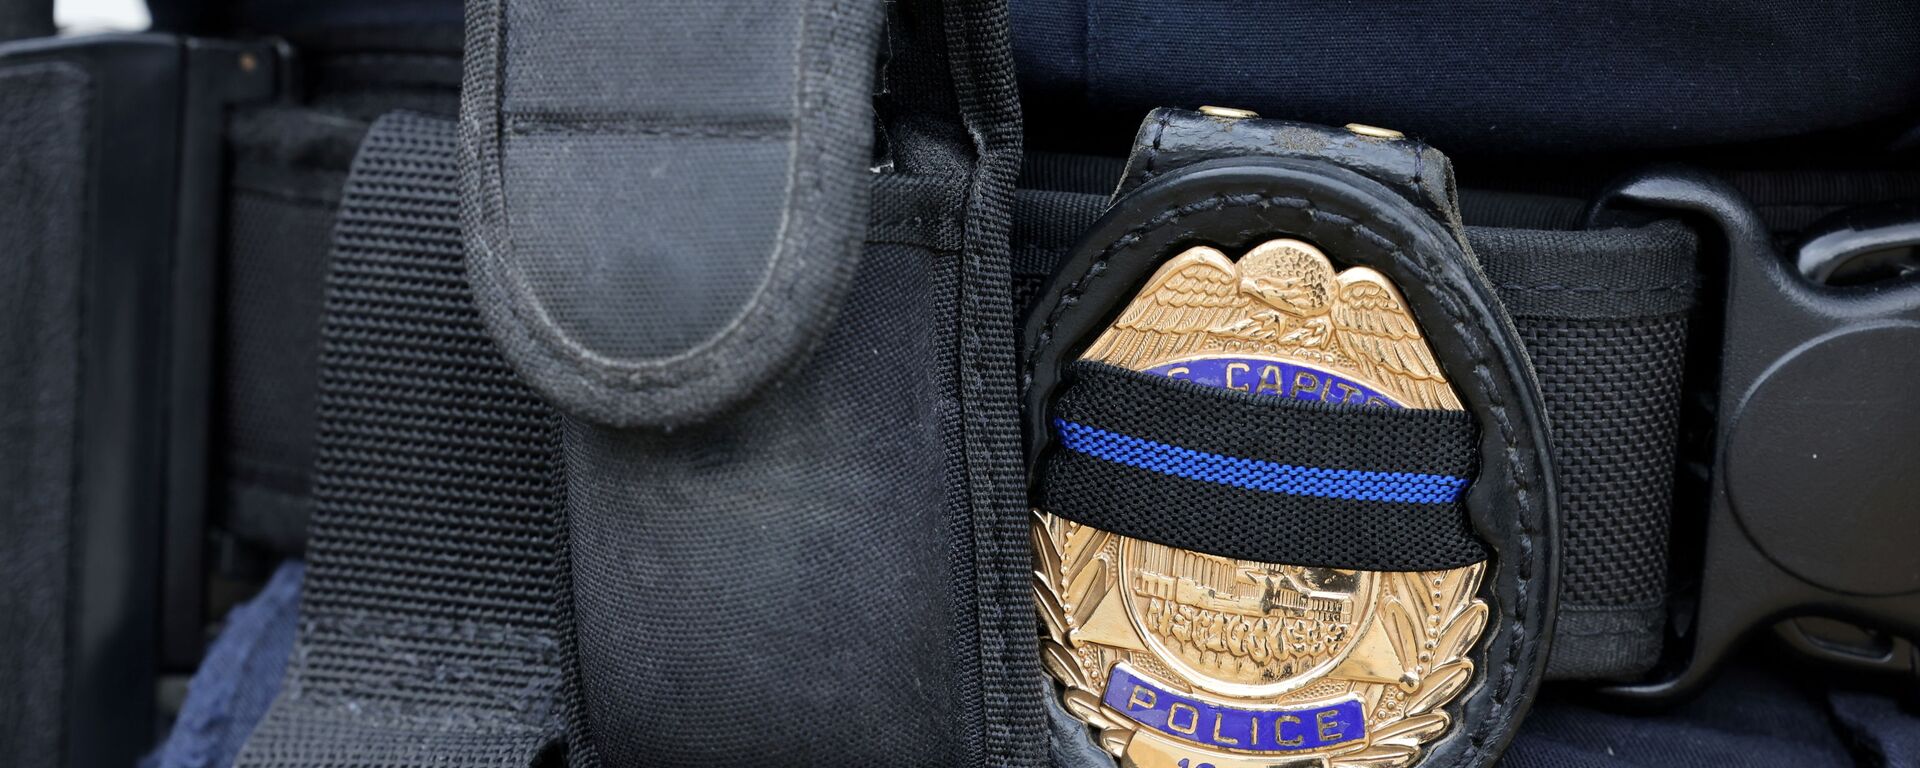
1261 478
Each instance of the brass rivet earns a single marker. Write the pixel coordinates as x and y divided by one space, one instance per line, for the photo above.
1375 131
1229 112
248 63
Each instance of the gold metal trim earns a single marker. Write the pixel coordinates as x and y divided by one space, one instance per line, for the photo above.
1374 131
1229 113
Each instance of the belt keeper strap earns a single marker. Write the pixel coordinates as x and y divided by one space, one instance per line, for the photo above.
1604 315
1261 477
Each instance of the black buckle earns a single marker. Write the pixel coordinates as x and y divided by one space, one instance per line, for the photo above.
1813 503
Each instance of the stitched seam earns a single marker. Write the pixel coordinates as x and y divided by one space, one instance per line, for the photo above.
1419 170
1074 290
1523 569
379 706
1005 738
1594 289
1153 148
698 363
388 700
1597 610
490 635
622 125
1503 686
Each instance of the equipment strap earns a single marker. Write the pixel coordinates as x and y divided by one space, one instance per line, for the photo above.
1603 314
432 623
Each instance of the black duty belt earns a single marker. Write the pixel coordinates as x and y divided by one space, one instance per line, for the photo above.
1392 464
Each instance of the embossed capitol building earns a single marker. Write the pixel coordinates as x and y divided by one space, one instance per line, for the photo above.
1253 590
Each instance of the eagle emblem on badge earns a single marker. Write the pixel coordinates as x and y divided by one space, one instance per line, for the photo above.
1183 659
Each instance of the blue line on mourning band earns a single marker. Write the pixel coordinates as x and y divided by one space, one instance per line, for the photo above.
1258 475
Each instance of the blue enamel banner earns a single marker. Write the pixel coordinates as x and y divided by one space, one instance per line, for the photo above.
1275 377
1186 718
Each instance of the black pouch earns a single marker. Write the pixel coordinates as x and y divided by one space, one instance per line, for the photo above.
779 337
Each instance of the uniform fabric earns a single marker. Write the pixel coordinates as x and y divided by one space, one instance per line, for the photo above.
237 680
1499 76
25 18
1764 712
1488 76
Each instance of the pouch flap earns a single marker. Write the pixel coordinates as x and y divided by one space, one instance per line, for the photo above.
663 203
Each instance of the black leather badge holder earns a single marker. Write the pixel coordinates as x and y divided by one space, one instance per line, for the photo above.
1263 256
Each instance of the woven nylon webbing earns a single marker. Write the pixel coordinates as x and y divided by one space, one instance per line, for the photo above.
429 627
1605 321
1011 714
1613 392
1261 477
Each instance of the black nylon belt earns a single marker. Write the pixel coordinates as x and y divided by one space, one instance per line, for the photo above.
1604 316
432 623
1342 486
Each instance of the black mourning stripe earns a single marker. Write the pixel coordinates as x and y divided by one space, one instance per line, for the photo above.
1260 525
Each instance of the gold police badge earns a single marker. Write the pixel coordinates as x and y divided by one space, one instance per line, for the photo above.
1182 659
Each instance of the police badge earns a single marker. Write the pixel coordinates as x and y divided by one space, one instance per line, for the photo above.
1292 502
1183 659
